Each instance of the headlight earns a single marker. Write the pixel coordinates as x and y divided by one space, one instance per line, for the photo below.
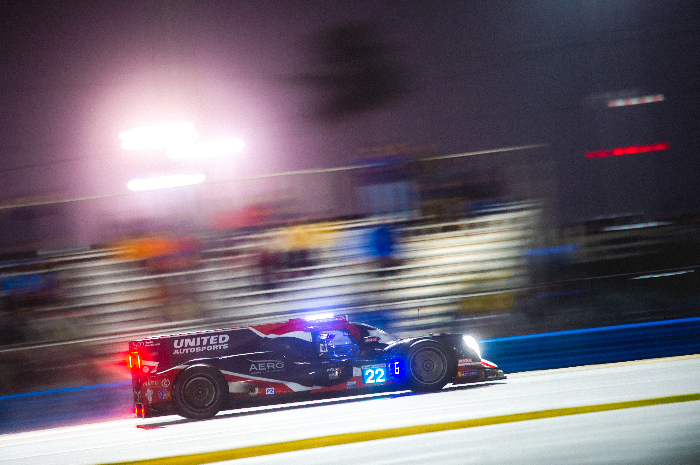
471 343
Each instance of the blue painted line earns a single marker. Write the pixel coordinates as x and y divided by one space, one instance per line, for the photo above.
593 330
70 389
562 249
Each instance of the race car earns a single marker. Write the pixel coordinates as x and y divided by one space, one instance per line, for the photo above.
198 374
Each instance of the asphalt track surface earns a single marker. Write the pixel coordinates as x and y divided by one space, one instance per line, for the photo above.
632 412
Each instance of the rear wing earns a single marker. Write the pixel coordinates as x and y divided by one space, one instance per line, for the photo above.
149 356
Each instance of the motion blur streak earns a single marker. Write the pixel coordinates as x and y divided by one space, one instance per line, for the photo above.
165 182
158 137
623 102
629 150
71 389
206 149
313 443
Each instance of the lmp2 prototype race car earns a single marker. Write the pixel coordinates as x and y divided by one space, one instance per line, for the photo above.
198 374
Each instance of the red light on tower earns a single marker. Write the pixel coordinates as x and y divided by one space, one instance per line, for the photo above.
628 150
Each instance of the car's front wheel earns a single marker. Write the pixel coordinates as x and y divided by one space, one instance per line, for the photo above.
199 392
429 366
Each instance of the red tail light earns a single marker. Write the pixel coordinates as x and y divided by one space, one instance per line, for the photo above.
133 361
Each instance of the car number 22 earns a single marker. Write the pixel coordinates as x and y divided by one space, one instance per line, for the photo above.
374 375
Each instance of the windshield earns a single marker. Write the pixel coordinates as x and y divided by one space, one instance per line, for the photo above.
371 331
336 343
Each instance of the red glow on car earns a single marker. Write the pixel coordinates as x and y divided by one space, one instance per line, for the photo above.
133 360
628 150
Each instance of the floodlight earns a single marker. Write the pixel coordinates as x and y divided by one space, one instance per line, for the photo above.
158 137
164 182
623 102
206 149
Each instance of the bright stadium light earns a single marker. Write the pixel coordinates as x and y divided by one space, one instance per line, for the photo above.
158 137
206 149
624 102
165 182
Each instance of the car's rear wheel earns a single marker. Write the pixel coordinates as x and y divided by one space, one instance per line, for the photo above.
429 366
199 392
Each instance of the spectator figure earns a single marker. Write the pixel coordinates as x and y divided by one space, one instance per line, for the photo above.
169 260
384 184
270 262
28 287
11 326
382 248
298 242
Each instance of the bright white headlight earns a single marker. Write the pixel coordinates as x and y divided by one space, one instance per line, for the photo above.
472 344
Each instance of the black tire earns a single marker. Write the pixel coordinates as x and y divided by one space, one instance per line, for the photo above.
199 392
148 412
429 366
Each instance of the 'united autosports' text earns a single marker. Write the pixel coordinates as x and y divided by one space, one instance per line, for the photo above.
200 344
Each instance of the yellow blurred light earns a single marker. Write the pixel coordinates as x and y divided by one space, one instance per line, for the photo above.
158 137
206 149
